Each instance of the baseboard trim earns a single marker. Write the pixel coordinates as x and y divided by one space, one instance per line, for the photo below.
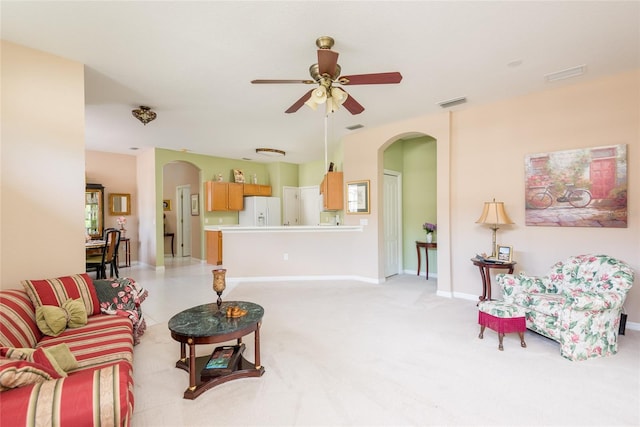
303 278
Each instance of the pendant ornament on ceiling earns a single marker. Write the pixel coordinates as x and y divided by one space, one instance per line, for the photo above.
144 114
326 73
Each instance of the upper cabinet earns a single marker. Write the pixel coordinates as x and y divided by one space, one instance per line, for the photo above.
332 191
94 210
223 196
257 190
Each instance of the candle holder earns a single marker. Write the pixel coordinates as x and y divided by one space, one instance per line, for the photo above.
219 283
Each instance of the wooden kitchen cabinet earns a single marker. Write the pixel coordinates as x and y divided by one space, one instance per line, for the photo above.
223 196
332 191
257 190
214 247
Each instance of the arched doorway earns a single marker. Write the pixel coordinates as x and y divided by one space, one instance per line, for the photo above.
410 169
181 181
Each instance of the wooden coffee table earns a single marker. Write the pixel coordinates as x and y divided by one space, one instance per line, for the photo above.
205 324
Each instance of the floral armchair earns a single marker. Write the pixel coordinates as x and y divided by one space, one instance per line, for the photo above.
578 303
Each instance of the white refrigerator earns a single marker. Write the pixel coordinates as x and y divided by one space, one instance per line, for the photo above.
260 212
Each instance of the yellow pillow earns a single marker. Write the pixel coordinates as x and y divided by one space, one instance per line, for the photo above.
53 320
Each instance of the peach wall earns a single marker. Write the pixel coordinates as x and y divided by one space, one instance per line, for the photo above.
485 159
590 114
364 159
117 172
42 166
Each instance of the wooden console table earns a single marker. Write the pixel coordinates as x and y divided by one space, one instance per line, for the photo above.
127 253
485 266
426 247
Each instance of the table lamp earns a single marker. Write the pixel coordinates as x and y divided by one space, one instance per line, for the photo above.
493 214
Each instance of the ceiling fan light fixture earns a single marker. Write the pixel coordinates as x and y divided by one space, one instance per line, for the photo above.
339 95
270 152
144 114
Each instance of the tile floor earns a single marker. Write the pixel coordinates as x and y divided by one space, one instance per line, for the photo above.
346 353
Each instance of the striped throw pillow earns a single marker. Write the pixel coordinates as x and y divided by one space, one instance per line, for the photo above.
57 291
18 326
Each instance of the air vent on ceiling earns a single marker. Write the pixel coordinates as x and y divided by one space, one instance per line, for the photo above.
452 102
354 127
566 74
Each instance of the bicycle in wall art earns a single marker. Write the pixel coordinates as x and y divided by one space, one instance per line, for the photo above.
577 188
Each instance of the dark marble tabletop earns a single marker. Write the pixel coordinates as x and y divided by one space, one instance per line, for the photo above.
207 321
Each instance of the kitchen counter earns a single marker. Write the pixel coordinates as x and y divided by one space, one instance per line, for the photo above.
289 252
283 229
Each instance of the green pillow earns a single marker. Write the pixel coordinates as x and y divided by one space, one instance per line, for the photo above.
53 320
59 355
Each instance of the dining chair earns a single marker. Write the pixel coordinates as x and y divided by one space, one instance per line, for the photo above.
95 260
108 256
112 258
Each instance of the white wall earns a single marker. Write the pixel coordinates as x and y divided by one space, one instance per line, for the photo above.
42 166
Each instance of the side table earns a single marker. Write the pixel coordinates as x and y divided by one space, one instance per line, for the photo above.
127 253
485 266
426 247
172 235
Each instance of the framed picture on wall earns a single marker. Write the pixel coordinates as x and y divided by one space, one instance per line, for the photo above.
166 205
358 197
195 204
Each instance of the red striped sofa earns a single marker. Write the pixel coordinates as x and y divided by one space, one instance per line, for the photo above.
99 391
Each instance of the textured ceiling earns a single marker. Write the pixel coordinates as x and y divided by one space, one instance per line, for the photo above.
192 62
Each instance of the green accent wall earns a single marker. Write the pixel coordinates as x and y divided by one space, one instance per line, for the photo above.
415 159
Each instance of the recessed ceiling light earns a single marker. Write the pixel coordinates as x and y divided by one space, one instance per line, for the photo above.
270 152
566 74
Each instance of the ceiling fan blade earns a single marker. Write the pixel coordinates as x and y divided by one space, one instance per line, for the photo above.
371 79
352 105
281 81
299 103
327 61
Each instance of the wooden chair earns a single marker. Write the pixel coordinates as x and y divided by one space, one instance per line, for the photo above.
112 259
108 256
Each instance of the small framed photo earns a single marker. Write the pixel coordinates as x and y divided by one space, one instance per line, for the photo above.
358 197
505 253
195 205
166 205
238 176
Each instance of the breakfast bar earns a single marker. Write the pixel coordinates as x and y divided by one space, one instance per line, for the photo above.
251 253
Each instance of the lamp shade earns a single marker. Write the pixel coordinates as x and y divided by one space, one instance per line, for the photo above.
493 213
319 95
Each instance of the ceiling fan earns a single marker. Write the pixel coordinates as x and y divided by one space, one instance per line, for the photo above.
326 73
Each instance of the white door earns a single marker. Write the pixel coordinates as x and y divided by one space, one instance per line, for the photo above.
291 205
183 220
392 218
310 205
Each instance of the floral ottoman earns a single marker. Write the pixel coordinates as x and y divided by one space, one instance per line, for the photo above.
502 317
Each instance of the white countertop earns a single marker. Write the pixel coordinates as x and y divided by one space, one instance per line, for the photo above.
284 229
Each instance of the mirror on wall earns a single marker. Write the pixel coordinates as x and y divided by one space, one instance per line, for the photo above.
94 210
119 204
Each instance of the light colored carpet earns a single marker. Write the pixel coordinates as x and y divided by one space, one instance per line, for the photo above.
347 353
